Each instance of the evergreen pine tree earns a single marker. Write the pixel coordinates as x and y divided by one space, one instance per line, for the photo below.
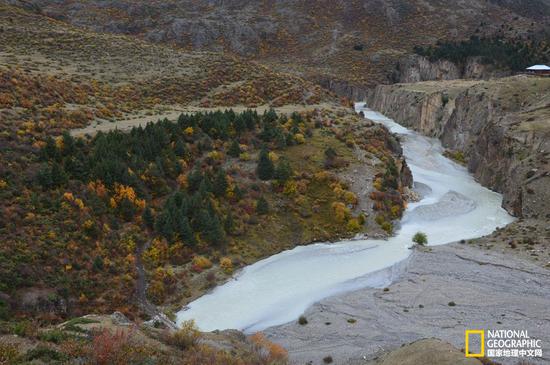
283 172
49 151
234 149
163 225
265 167
238 192
44 177
185 231
239 124
270 116
180 149
220 184
229 223
262 207
280 139
194 179
205 188
127 209
215 234
148 218
68 144
58 175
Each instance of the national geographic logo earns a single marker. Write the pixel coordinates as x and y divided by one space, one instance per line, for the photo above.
477 333
501 343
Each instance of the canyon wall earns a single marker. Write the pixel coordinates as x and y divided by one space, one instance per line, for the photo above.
501 127
415 68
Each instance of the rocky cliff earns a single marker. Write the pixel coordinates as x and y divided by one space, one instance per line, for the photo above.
502 127
415 68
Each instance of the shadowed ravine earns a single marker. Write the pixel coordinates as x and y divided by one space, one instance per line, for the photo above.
278 289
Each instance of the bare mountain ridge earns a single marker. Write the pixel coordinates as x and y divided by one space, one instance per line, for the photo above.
354 42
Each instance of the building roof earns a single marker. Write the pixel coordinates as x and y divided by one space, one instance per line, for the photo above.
538 68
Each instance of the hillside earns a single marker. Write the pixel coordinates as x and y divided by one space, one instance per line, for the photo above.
353 44
146 218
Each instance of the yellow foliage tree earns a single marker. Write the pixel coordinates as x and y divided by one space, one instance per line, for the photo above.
126 192
227 265
341 212
189 131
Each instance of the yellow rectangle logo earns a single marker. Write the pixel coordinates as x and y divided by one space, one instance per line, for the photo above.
481 334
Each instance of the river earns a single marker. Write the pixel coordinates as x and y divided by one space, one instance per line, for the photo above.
280 288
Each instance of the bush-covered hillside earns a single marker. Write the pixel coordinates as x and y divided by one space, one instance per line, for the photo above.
188 193
507 54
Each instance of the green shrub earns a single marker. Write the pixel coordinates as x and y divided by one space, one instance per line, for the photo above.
4 311
45 354
23 329
420 238
72 325
302 320
55 336
388 227
8 353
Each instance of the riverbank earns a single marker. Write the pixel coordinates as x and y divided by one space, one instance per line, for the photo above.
440 292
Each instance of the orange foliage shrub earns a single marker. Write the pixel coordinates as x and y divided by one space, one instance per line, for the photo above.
341 212
270 352
111 348
126 192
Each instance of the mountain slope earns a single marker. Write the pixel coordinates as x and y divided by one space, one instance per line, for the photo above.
339 43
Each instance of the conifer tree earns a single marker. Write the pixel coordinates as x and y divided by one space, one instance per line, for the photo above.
283 172
148 218
194 179
229 223
234 149
58 175
185 232
180 149
68 144
262 207
265 169
220 184
49 151
214 233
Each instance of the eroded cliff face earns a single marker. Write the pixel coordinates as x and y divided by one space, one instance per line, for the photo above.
501 126
415 68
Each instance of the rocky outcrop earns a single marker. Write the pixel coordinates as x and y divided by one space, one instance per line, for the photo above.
501 126
415 68
344 88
